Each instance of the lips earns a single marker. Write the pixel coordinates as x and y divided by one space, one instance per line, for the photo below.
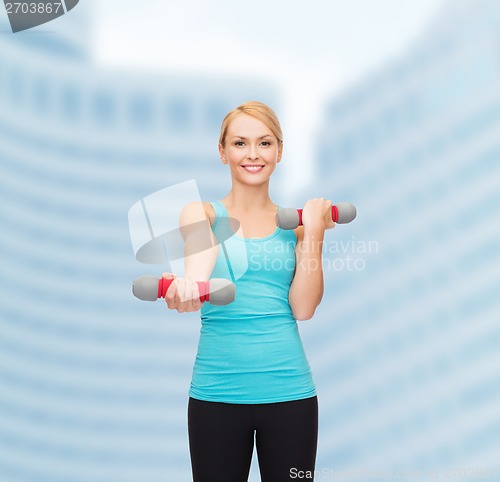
253 167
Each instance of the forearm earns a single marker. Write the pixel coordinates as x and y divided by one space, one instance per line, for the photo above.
200 245
199 264
307 286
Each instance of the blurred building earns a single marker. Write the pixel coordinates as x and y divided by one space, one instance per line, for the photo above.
405 347
93 383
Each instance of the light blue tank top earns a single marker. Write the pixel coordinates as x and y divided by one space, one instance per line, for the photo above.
250 351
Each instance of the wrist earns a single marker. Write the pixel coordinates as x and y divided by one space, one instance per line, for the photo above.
314 231
312 242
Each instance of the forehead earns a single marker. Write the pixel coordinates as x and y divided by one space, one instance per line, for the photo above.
247 126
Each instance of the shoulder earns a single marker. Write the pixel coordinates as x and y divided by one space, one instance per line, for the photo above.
209 211
197 211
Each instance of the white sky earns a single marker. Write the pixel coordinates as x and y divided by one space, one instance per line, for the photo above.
312 48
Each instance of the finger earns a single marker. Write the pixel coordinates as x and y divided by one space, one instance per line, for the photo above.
196 303
188 294
167 275
328 209
171 294
179 298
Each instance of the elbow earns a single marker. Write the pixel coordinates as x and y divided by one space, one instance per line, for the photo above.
303 314
304 308
305 311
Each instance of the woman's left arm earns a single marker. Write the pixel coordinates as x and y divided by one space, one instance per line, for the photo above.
306 290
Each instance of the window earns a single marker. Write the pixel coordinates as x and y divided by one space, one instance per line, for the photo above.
141 110
71 102
41 95
104 108
179 115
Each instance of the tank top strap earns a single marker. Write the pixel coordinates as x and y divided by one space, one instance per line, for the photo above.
220 211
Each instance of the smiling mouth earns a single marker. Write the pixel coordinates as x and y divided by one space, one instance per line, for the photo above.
253 167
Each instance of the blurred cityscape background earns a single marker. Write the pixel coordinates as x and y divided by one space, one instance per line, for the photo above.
405 347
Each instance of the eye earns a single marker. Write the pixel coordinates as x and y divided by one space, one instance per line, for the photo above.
239 143
266 143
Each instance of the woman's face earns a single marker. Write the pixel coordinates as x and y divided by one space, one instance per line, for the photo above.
251 150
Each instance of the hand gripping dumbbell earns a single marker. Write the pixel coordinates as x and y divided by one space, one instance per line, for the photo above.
290 218
217 291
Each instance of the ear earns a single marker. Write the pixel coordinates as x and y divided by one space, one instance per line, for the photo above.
222 154
280 153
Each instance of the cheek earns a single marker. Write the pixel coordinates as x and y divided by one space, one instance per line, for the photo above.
234 158
273 156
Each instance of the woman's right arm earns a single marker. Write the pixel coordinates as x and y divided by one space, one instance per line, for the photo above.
200 254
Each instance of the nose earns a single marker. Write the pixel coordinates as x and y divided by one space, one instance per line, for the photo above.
253 152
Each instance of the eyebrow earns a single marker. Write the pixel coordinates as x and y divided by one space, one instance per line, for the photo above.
244 138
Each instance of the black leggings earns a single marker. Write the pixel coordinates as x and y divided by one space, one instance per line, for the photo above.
221 439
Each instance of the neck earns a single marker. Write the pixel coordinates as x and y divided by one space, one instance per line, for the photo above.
249 198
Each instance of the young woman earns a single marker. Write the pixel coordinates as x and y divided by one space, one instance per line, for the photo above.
251 379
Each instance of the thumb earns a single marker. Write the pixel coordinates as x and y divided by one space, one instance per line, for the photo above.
168 275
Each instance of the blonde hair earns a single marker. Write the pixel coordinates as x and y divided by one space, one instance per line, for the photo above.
259 111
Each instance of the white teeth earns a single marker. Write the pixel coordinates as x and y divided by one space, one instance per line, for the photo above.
253 168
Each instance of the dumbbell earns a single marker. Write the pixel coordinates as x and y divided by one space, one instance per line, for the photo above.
290 218
217 291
